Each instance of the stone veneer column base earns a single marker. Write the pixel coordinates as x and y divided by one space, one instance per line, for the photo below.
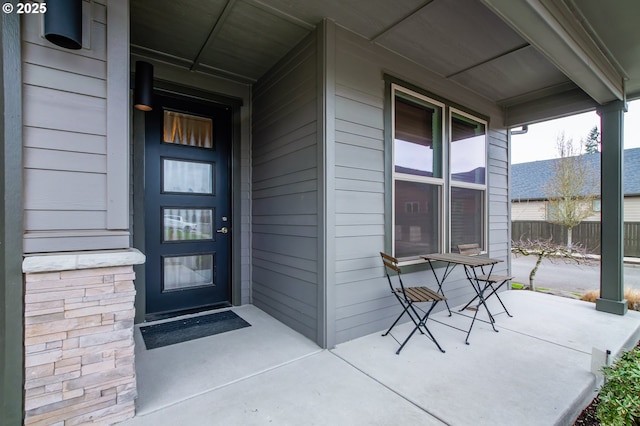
79 349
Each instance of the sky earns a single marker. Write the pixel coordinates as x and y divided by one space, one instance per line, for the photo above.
539 143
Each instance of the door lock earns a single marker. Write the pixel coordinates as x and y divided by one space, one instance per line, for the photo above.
223 230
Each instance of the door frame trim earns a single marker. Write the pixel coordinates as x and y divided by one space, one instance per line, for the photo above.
186 93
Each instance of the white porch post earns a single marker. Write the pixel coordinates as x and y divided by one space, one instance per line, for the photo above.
612 244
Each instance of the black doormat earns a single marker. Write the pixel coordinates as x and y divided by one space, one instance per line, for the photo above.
182 330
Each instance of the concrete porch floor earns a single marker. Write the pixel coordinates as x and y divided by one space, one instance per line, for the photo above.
535 371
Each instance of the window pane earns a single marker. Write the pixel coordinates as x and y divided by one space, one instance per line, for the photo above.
191 177
183 272
190 130
467 217
417 212
417 141
468 150
186 224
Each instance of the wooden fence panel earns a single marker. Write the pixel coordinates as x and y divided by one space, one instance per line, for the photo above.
587 234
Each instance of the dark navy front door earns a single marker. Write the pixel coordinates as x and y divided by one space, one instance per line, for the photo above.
187 206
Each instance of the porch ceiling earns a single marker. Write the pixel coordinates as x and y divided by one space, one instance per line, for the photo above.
518 54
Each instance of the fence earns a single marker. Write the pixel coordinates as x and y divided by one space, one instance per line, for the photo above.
587 234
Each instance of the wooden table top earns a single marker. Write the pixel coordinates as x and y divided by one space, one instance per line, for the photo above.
461 259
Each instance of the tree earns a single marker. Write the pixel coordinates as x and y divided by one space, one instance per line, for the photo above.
592 143
542 249
572 187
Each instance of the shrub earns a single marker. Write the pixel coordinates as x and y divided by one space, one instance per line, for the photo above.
632 296
620 395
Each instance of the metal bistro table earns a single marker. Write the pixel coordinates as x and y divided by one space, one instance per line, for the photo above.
470 263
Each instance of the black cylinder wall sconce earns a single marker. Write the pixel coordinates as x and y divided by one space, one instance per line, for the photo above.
143 90
63 23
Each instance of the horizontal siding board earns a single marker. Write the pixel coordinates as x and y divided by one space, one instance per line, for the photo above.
359 140
300 138
58 110
357 112
359 230
35 75
375 325
498 181
347 219
359 157
47 220
280 310
301 203
361 290
361 274
359 185
300 88
380 306
373 262
497 208
293 308
298 116
297 312
359 202
292 220
293 188
63 141
309 174
58 190
36 158
299 275
294 262
359 247
359 129
63 60
305 248
360 174
290 287
367 98
42 243
302 159
294 231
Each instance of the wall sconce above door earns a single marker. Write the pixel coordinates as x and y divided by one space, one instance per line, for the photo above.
143 90
63 23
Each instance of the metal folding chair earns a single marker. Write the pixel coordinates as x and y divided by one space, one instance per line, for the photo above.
408 297
489 280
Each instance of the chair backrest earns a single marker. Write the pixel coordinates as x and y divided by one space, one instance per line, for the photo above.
391 267
469 249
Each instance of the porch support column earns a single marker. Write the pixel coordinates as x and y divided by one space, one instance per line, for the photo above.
612 221
11 286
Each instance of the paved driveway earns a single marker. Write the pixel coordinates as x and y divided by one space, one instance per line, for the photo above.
568 276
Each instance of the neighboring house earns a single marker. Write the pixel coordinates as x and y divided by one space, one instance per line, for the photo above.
528 182
300 140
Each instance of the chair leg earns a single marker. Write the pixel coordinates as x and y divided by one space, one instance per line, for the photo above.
482 302
421 324
494 291
470 302
407 311
398 319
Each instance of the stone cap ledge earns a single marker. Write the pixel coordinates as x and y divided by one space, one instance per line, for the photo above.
71 261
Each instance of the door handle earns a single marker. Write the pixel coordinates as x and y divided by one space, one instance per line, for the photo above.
223 230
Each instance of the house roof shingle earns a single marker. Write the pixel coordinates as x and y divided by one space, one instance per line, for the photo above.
529 179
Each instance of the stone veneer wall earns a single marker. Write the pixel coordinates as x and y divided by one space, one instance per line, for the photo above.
79 348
